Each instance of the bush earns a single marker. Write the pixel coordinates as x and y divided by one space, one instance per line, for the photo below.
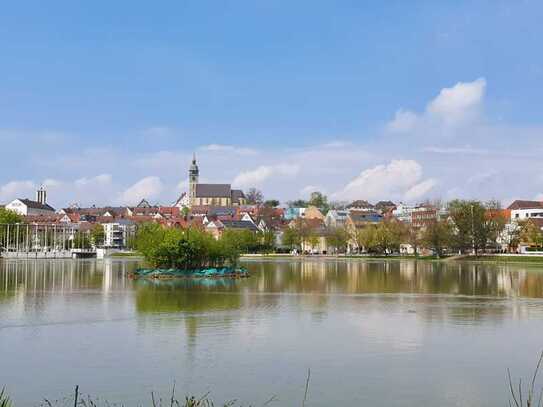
187 249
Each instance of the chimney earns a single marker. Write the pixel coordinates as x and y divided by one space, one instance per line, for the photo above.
41 196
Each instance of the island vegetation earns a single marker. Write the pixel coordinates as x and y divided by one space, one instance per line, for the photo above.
193 249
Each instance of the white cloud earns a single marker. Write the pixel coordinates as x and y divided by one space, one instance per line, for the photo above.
146 188
393 181
455 150
539 197
17 189
459 103
453 141
102 179
452 106
229 149
404 120
420 190
257 176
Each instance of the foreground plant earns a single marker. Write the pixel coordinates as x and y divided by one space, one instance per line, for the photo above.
4 399
518 392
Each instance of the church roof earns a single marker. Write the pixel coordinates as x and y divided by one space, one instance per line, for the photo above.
37 205
213 190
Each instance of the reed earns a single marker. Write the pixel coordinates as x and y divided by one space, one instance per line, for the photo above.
525 397
4 399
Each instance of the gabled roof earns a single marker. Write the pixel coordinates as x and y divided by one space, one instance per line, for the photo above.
222 211
36 205
338 213
519 204
357 216
144 204
360 204
237 194
239 224
213 190
385 204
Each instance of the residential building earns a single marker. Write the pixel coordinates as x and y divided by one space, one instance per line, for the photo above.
336 218
385 206
293 213
403 212
423 215
312 212
117 234
217 227
521 210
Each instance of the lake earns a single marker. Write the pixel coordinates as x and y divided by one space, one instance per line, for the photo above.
373 333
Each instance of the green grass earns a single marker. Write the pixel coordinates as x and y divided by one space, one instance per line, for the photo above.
126 254
505 259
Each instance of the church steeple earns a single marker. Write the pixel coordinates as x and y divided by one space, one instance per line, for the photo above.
194 173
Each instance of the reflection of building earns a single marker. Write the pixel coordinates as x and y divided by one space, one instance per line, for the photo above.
211 194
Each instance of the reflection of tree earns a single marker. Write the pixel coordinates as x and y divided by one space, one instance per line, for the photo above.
189 295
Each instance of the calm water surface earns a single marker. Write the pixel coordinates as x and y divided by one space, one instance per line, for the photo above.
395 333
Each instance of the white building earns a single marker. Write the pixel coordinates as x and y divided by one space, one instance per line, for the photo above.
27 207
521 210
117 234
403 212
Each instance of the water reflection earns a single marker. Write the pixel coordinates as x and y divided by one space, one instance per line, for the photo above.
370 329
455 290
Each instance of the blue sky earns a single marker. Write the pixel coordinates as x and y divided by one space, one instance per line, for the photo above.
126 91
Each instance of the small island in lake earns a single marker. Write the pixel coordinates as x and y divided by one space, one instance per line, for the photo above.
187 253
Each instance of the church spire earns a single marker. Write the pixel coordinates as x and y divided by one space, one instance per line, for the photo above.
194 174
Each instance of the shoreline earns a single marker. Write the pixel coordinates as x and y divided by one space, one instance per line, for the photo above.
494 258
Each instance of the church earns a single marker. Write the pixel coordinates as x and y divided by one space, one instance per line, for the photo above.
209 194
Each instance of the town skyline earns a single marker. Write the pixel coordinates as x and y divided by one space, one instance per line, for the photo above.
403 103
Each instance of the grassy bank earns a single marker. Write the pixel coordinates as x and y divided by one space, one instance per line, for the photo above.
506 259
126 254
466 258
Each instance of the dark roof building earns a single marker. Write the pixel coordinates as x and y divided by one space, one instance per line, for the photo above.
520 204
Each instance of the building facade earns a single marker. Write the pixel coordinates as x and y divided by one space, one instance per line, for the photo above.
211 194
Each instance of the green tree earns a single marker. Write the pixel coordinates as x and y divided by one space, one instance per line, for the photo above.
9 217
267 241
98 235
298 203
365 238
81 240
319 200
338 239
413 236
272 203
530 233
438 235
476 225
291 238
388 236
313 240
187 249
254 196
